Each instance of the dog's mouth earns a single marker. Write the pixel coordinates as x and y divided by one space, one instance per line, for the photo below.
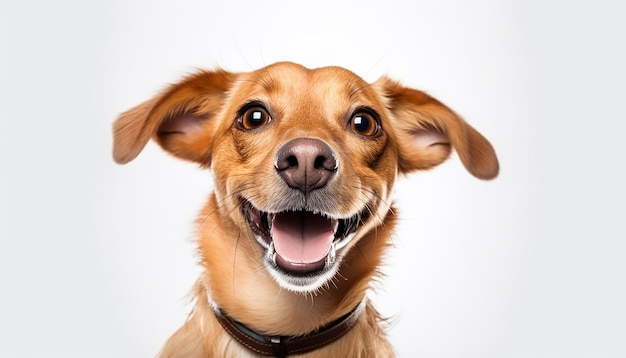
301 243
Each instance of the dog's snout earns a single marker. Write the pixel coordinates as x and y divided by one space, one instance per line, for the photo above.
306 164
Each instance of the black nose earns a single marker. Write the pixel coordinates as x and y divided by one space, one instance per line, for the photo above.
306 164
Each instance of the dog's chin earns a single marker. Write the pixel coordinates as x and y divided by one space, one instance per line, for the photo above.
303 249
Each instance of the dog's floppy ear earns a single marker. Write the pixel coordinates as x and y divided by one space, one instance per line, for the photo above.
427 130
179 119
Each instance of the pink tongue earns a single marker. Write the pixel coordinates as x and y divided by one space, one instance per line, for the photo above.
302 238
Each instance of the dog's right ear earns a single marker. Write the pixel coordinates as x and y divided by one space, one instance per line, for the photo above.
178 119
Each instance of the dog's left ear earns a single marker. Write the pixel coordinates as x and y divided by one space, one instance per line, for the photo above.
427 130
179 119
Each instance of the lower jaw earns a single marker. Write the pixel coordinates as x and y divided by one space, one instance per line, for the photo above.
305 284
305 281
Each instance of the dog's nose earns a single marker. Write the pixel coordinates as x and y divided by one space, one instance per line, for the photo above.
306 164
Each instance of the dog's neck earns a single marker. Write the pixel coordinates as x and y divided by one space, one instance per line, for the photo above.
282 346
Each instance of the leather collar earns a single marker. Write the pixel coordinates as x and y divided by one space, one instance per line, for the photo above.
282 346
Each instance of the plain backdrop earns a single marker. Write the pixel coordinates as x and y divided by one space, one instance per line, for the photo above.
96 259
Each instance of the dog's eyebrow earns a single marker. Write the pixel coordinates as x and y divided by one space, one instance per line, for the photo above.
264 79
355 89
267 84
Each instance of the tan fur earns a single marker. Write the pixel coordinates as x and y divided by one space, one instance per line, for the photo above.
195 120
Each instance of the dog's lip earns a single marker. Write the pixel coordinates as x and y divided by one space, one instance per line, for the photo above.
329 235
299 267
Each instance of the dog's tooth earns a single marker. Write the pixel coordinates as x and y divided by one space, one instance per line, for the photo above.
332 254
271 253
340 244
266 220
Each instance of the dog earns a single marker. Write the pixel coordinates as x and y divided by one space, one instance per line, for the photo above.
304 163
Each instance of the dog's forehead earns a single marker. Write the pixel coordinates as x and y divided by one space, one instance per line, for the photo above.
288 80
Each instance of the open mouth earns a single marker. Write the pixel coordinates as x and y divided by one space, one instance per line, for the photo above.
301 243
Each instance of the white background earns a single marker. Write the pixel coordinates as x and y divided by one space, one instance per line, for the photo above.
96 259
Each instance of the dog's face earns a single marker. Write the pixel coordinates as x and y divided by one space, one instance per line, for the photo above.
314 167
304 160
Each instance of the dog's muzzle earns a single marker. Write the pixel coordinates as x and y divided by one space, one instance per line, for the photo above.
303 242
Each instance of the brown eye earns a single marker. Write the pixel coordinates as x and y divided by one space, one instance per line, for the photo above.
364 124
254 118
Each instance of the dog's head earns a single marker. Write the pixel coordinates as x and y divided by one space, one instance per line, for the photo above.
304 160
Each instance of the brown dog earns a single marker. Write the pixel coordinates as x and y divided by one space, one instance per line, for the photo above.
304 164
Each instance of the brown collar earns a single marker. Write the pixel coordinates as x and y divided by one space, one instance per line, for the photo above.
282 346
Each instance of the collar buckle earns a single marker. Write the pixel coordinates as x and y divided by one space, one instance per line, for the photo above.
279 348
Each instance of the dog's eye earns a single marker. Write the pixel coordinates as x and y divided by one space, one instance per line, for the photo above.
254 117
365 124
